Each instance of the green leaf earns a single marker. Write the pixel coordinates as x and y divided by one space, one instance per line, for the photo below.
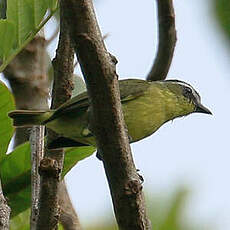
171 220
18 14
79 85
15 176
21 221
38 9
52 4
73 155
26 15
222 9
6 131
7 38
60 227
15 173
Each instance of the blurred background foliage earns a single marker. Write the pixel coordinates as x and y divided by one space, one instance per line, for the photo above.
165 212
222 11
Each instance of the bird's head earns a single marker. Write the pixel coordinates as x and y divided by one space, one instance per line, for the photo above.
187 98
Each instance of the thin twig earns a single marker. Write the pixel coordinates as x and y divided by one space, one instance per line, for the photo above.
4 212
37 150
54 35
52 163
167 40
106 118
68 217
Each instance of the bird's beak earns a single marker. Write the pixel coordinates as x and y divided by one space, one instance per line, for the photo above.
202 109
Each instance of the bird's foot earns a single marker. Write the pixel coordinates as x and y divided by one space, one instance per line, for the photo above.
141 178
99 155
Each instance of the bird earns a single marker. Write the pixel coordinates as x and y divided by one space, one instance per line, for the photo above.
146 106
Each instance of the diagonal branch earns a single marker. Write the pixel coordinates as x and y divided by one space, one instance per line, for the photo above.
167 40
106 118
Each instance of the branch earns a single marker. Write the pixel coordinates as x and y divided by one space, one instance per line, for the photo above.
53 36
167 40
68 217
101 79
52 163
104 37
4 212
37 151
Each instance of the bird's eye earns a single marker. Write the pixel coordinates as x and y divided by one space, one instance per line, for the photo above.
187 91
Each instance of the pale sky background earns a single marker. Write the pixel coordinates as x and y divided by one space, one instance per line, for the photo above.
191 151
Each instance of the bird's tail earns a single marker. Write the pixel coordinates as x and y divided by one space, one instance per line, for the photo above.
27 118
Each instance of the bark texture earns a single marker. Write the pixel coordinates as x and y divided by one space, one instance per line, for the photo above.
4 212
106 119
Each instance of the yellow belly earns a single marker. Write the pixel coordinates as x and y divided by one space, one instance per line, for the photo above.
143 116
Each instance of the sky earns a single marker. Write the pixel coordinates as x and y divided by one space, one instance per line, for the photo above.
190 151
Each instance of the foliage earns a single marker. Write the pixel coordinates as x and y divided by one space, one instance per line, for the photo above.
222 9
24 18
165 213
21 221
15 167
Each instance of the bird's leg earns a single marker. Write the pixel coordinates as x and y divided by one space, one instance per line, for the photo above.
141 178
99 155
127 132
113 59
90 129
90 119
130 139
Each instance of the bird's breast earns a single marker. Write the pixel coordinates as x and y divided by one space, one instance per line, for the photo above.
144 115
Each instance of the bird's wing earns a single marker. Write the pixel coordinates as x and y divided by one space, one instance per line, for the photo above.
129 90
77 102
132 88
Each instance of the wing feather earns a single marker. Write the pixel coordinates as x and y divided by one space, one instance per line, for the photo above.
129 90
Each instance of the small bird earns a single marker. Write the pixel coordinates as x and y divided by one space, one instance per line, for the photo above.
146 107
